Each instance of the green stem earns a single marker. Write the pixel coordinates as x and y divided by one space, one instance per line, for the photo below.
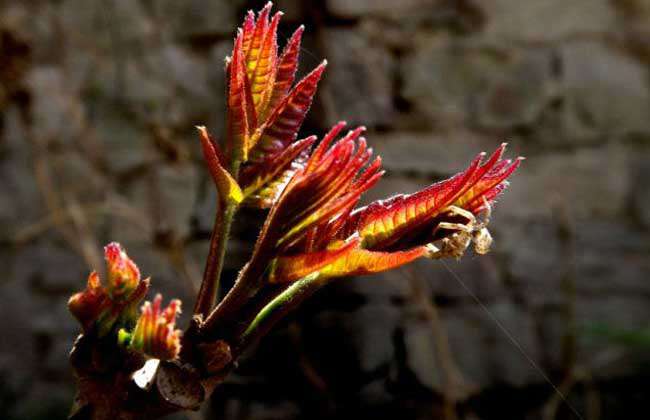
209 291
279 307
248 284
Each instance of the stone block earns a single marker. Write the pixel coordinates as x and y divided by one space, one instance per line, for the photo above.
197 18
50 269
125 141
20 198
58 114
546 20
387 8
606 91
494 344
443 152
357 86
422 355
176 187
585 183
602 332
611 258
454 82
640 193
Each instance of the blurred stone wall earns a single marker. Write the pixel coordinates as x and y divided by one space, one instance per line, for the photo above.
98 100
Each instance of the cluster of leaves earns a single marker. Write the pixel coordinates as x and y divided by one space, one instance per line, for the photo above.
112 309
314 230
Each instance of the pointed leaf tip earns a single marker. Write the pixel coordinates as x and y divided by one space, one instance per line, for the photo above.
155 334
227 186
284 122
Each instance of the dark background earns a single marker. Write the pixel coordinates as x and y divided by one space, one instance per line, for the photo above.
98 100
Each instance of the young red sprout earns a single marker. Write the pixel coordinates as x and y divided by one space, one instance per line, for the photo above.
314 232
87 305
306 220
155 334
123 273
227 186
103 306
264 111
334 240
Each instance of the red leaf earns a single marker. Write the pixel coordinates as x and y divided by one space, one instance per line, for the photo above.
154 333
282 126
239 124
286 71
264 71
361 261
257 177
290 268
228 188
247 31
384 222
253 48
